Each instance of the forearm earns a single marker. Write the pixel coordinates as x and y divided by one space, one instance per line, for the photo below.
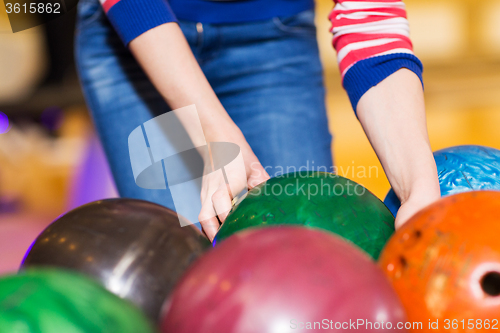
166 57
393 117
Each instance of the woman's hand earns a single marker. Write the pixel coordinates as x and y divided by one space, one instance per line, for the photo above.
221 186
411 207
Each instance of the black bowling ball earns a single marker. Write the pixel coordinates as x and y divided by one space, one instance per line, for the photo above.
135 248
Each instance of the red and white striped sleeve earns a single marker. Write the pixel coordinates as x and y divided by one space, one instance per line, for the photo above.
372 39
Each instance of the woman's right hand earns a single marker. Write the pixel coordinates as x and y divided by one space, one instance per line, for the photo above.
220 187
166 57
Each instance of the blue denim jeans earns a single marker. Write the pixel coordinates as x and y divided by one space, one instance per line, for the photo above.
267 75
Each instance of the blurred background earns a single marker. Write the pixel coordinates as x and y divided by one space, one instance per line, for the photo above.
51 161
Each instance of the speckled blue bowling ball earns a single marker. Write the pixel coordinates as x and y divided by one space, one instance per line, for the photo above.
461 169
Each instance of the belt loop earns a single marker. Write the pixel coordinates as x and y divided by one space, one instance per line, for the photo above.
199 27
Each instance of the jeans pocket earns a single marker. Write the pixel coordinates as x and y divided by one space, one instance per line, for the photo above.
88 11
301 23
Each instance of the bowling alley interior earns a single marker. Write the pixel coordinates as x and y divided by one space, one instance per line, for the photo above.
52 163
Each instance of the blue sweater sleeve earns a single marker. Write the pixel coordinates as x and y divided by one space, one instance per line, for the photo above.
369 72
131 18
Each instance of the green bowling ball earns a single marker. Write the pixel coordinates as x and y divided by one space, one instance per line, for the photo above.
317 200
57 301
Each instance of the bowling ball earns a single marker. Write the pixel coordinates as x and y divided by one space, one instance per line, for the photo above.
461 169
445 263
136 249
279 279
56 301
315 199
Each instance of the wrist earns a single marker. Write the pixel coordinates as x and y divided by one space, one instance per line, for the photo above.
423 190
414 174
223 130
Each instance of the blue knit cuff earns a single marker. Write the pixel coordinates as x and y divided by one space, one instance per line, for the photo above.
369 72
131 18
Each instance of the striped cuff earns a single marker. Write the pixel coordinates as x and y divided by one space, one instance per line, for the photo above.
131 18
369 72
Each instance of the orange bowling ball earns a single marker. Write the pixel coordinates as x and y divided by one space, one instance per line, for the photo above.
445 264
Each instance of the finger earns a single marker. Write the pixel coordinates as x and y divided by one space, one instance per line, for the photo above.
258 175
222 202
210 227
208 220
